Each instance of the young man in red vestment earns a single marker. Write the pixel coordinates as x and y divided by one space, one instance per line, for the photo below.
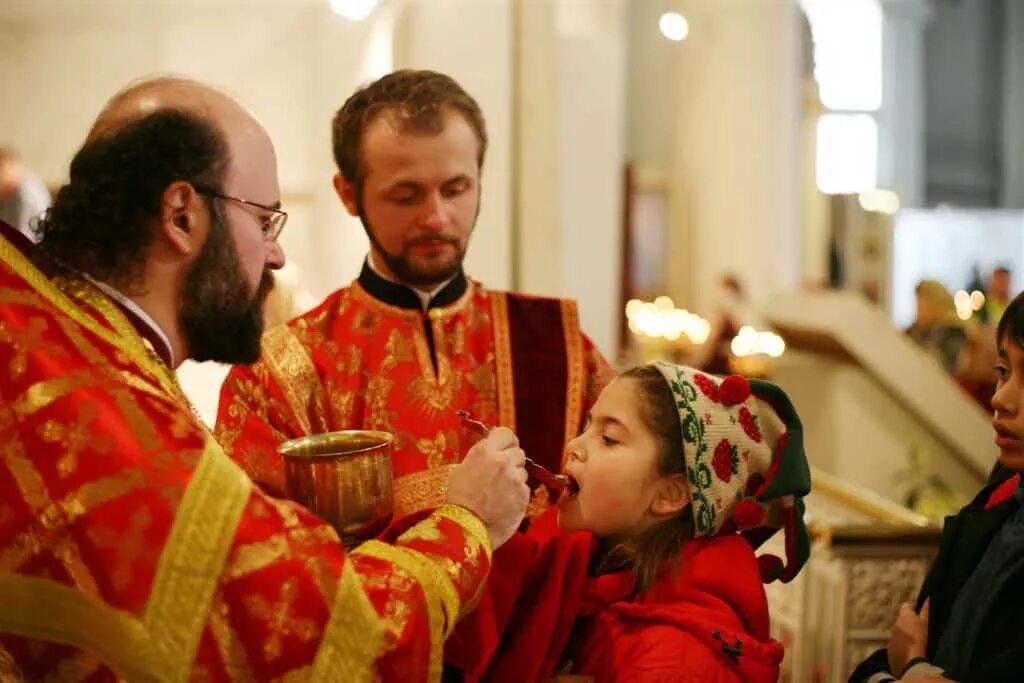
131 547
413 340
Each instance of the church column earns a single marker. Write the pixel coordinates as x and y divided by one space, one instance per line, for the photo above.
538 241
736 176
901 132
1013 108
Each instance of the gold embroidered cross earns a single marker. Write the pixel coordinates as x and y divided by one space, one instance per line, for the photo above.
23 341
280 620
129 546
73 439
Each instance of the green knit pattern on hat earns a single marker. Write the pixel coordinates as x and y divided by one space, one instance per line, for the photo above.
744 460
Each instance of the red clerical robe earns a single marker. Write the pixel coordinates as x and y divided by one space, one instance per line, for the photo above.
369 357
132 548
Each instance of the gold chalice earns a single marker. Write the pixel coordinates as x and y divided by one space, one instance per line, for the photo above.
344 477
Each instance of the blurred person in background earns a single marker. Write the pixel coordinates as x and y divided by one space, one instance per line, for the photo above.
937 329
732 313
23 196
997 296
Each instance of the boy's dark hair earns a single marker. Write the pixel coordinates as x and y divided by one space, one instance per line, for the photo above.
101 220
1011 325
647 553
417 101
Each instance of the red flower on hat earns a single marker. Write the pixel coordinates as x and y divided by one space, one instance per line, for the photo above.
724 460
733 389
706 386
748 514
749 424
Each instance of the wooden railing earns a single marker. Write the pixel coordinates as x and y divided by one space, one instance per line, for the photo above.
868 556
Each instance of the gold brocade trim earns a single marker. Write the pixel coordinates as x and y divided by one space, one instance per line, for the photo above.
193 557
42 609
48 291
124 336
354 637
470 523
438 592
421 490
574 371
476 531
503 361
295 373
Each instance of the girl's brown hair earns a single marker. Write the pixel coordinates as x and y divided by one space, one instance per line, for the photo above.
646 553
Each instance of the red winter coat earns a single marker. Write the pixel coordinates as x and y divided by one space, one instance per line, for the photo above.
706 623
667 635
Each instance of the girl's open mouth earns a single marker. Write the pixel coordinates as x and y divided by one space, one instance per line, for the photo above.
572 489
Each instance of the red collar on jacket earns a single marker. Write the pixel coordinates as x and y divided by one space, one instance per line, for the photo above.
1003 492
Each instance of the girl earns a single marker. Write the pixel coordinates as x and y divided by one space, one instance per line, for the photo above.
677 477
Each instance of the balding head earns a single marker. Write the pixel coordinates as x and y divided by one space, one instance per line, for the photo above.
236 124
152 135
166 92
169 200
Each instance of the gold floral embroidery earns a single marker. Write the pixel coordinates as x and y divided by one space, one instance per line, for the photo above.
435 397
398 348
420 490
433 449
483 381
377 391
343 405
280 619
355 359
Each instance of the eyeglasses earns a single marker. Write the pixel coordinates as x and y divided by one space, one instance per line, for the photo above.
271 223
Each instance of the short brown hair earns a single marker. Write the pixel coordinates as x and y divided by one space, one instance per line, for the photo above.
418 101
647 553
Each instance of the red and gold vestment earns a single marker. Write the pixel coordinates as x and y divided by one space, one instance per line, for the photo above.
366 358
132 547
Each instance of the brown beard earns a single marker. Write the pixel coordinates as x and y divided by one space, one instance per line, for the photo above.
221 319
